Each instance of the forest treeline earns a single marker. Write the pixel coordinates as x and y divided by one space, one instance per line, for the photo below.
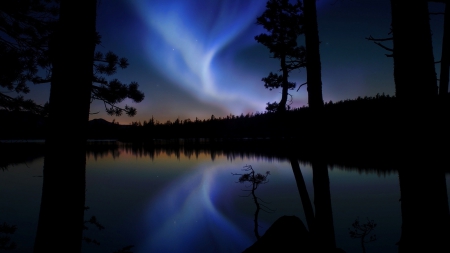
359 122
365 117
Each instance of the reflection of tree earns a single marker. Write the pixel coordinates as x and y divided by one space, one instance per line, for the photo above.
323 231
304 196
320 224
61 214
18 153
321 228
424 208
362 231
255 179
5 239
102 149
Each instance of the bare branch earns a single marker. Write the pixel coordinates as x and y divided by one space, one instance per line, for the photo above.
373 39
301 85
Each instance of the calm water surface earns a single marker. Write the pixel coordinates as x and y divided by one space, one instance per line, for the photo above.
167 202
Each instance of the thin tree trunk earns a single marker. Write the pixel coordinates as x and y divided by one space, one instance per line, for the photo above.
72 48
313 65
304 196
324 227
258 208
445 55
285 86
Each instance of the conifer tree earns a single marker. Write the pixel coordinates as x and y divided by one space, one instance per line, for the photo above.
283 21
27 32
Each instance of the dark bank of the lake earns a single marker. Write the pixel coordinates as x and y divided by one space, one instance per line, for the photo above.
345 154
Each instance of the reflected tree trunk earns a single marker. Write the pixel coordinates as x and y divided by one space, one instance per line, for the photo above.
72 48
425 210
323 225
304 196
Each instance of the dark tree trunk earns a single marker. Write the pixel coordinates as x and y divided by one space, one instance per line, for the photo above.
304 196
313 66
72 48
414 71
445 55
285 85
323 225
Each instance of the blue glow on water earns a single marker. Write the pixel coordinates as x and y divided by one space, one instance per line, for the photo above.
185 217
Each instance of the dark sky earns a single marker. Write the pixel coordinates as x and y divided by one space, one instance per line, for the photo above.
195 58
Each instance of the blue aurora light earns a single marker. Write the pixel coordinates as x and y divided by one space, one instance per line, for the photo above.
195 44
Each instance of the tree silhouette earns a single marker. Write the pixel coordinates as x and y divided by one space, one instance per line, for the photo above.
113 92
255 179
362 231
110 92
25 27
411 40
283 21
5 239
445 53
71 49
406 50
27 31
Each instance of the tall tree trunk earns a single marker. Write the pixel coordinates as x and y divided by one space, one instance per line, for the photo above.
313 66
445 54
323 224
414 70
285 85
72 48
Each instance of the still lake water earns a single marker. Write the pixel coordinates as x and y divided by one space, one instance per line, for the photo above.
179 202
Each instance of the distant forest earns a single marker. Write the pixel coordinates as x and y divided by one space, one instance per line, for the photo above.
349 122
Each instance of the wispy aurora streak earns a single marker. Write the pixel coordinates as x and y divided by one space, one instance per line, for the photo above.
187 41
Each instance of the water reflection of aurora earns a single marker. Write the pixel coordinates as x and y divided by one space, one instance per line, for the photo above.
194 204
202 211
180 203
188 216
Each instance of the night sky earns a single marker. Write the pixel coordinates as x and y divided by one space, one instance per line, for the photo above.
197 58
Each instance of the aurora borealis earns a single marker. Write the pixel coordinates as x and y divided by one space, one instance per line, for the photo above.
197 58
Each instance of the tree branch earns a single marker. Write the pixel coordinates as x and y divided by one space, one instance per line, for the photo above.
373 39
301 85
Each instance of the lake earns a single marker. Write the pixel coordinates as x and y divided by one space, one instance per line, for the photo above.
169 200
